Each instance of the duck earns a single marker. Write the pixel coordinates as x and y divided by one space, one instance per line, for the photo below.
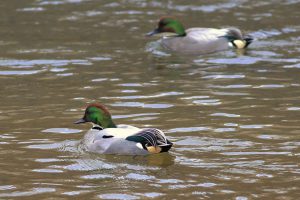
198 40
105 137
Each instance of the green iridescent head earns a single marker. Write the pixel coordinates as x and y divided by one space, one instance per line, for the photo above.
168 24
97 114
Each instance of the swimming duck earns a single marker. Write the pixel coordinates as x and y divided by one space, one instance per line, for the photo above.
106 137
198 40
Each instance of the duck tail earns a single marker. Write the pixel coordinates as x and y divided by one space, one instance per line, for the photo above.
242 43
152 140
235 37
248 39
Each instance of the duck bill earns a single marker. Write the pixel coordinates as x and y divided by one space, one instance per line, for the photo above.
155 31
80 121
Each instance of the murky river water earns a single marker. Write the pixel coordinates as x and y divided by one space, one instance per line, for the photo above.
234 117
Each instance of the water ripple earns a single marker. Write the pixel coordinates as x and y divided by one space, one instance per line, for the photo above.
61 130
223 76
136 176
7 187
225 115
12 62
142 105
207 102
163 94
52 171
135 115
85 165
255 153
32 192
118 196
207 8
97 176
188 129
20 72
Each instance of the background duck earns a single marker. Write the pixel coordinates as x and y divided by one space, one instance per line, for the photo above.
198 40
108 138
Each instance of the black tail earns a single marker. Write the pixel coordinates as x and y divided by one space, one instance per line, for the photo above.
166 147
151 137
248 40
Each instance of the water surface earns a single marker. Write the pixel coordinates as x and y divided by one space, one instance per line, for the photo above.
233 116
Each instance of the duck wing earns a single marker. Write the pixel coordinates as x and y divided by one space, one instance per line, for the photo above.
151 139
198 41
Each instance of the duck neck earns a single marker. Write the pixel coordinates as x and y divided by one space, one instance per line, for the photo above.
180 32
111 124
107 124
179 29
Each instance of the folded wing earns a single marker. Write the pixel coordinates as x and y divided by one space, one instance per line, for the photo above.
152 140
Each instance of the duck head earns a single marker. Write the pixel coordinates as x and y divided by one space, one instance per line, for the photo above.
170 25
97 114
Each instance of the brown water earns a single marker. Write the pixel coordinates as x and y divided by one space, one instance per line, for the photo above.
234 117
